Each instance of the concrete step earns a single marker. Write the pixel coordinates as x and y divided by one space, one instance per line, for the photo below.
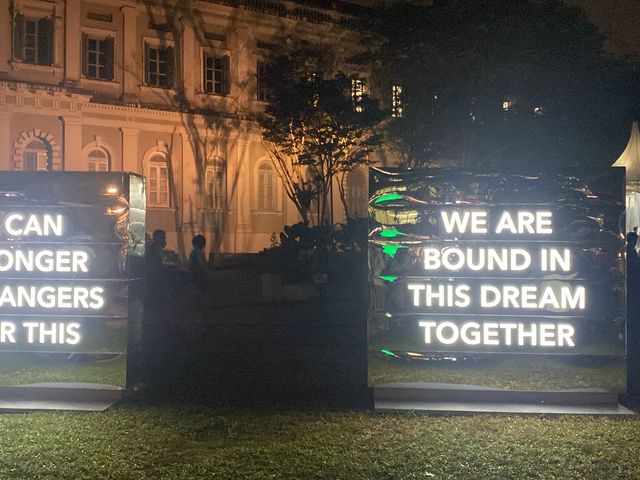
453 398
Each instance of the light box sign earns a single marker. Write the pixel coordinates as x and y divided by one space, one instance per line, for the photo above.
71 277
496 279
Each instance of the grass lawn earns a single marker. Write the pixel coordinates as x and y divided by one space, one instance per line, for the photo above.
135 441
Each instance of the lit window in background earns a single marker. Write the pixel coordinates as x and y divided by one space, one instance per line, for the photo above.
506 105
358 91
397 110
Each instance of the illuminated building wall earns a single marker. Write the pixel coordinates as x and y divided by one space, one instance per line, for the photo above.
91 86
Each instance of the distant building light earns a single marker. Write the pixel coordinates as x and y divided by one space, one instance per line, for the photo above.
397 110
358 92
506 105
538 110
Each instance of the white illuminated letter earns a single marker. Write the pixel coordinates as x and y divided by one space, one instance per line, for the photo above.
463 297
427 330
525 222
478 222
556 259
565 334
531 334
431 258
73 334
30 326
7 330
455 222
543 222
547 335
572 300
485 299
9 263
506 223
8 224
53 225
490 331
457 264
95 295
416 292
474 337
453 338
520 259
508 328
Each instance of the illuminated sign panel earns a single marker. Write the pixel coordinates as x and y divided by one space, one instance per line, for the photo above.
485 266
71 276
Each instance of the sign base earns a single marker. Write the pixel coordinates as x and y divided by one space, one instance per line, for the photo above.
443 398
59 396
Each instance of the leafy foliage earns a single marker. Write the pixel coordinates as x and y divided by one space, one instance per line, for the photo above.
504 82
312 130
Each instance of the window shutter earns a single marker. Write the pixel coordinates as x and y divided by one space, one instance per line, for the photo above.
171 80
85 54
45 41
146 63
18 37
226 75
110 59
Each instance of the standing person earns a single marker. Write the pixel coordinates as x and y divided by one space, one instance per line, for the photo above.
156 282
633 315
198 272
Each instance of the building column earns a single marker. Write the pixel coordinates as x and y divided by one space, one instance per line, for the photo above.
72 144
5 36
243 70
130 161
240 176
6 142
72 40
188 66
189 198
131 54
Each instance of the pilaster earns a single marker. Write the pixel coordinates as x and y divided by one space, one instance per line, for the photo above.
72 144
132 57
130 160
6 143
72 47
5 36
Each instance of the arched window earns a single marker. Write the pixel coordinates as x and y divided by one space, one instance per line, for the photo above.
157 173
357 194
267 188
98 160
215 186
37 156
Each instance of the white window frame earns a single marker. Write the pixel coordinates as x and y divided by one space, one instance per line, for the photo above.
216 197
106 163
276 204
152 169
42 158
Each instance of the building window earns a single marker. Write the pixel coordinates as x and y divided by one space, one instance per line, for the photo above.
397 109
159 66
215 186
97 57
33 40
358 92
98 160
261 84
216 74
158 181
267 200
356 194
37 156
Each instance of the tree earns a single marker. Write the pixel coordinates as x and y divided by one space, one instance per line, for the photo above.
314 131
503 82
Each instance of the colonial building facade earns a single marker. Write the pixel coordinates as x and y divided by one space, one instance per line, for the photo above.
167 92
